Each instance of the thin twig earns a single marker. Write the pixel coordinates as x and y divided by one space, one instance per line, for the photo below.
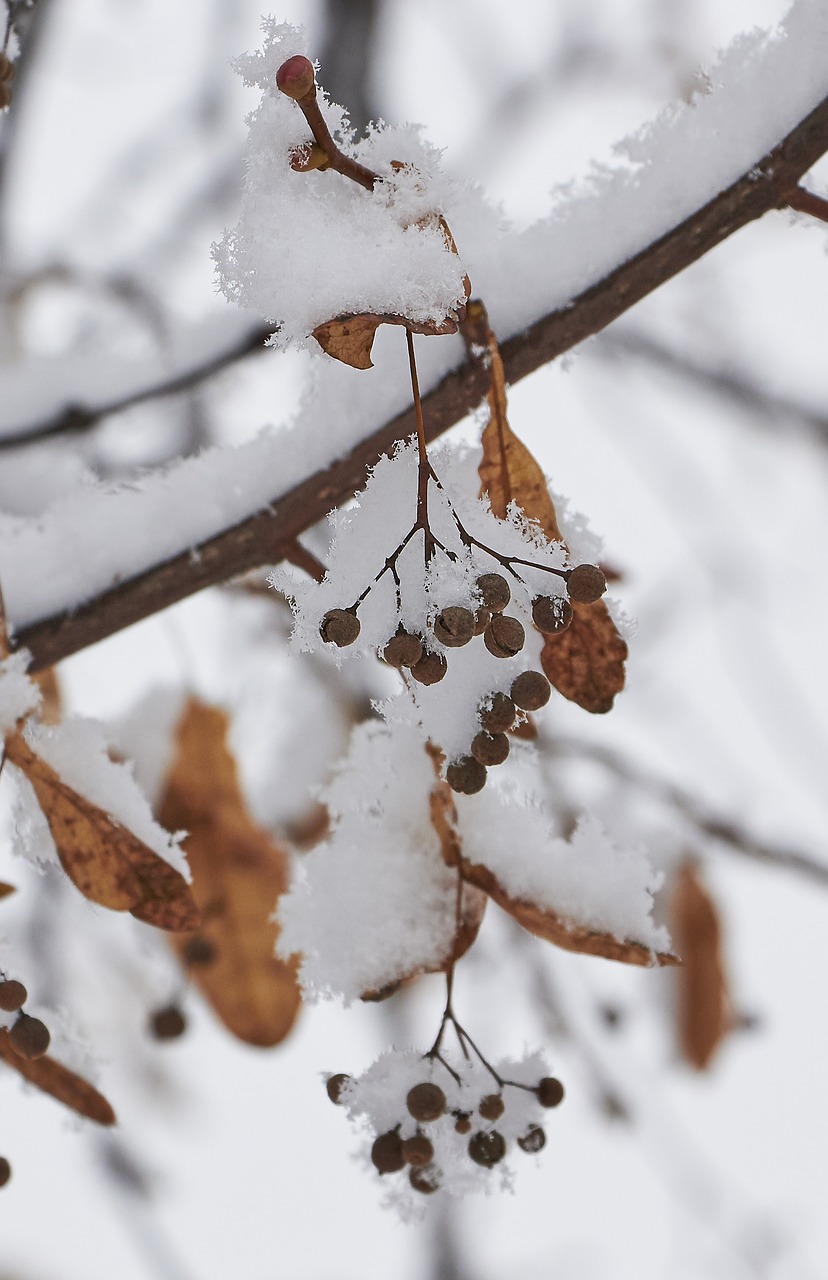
807 202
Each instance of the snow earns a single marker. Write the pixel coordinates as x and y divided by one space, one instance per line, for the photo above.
19 696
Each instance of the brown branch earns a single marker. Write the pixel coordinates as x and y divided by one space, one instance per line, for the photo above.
807 202
264 537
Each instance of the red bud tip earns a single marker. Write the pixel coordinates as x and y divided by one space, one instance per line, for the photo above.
295 77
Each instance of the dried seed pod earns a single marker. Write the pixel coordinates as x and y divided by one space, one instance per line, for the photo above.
488 1147
12 995
491 1106
490 748
500 716
454 626
168 1023
530 690
430 669
586 583
403 650
335 1085
339 627
199 951
425 1101
5 1171
494 591
387 1152
295 77
482 618
425 1180
550 1092
534 1139
418 1150
29 1036
551 614
504 636
466 775
462 1122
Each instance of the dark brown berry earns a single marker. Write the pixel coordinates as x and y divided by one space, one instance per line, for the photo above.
463 1123
403 650
168 1023
12 995
487 1148
339 627
490 748
199 951
466 775
418 1150
454 626
530 690
430 669
491 1106
586 583
29 1036
534 1139
5 1171
551 614
387 1152
500 716
295 77
550 1092
426 1101
335 1085
482 618
494 590
504 636
425 1180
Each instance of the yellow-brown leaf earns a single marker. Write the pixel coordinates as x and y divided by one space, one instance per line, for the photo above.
586 662
239 873
350 338
6 889
55 1079
703 1008
105 861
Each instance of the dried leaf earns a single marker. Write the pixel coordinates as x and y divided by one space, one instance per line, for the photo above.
564 933
6 889
51 704
239 872
586 662
703 1008
349 338
105 861
64 1085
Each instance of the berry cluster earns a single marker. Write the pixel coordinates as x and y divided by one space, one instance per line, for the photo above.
28 1036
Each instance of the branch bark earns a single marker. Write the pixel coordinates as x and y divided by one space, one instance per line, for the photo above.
267 537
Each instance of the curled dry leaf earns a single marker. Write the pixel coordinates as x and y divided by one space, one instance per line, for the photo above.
55 1079
105 861
239 873
703 1008
585 663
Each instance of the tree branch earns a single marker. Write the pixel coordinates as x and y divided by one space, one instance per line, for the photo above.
265 537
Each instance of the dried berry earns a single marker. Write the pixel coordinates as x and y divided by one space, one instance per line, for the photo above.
335 1085
534 1139
426 1101
29 1036
504 636
12 995
403 650
199 951
295 77
586 583
462 1123
430 669
550 1092
551 614
491 1106
530 690
482 618
425 1180
418 1151
5 1171
454 626
339 627
466 775
490 748
494 591
487 1148
387 1152
500 716
168 1023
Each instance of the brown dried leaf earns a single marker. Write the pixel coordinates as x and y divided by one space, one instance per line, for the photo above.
349 338
239 872
586 662
105 861
55 1079
51 704
6 889
703 1009
564 933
